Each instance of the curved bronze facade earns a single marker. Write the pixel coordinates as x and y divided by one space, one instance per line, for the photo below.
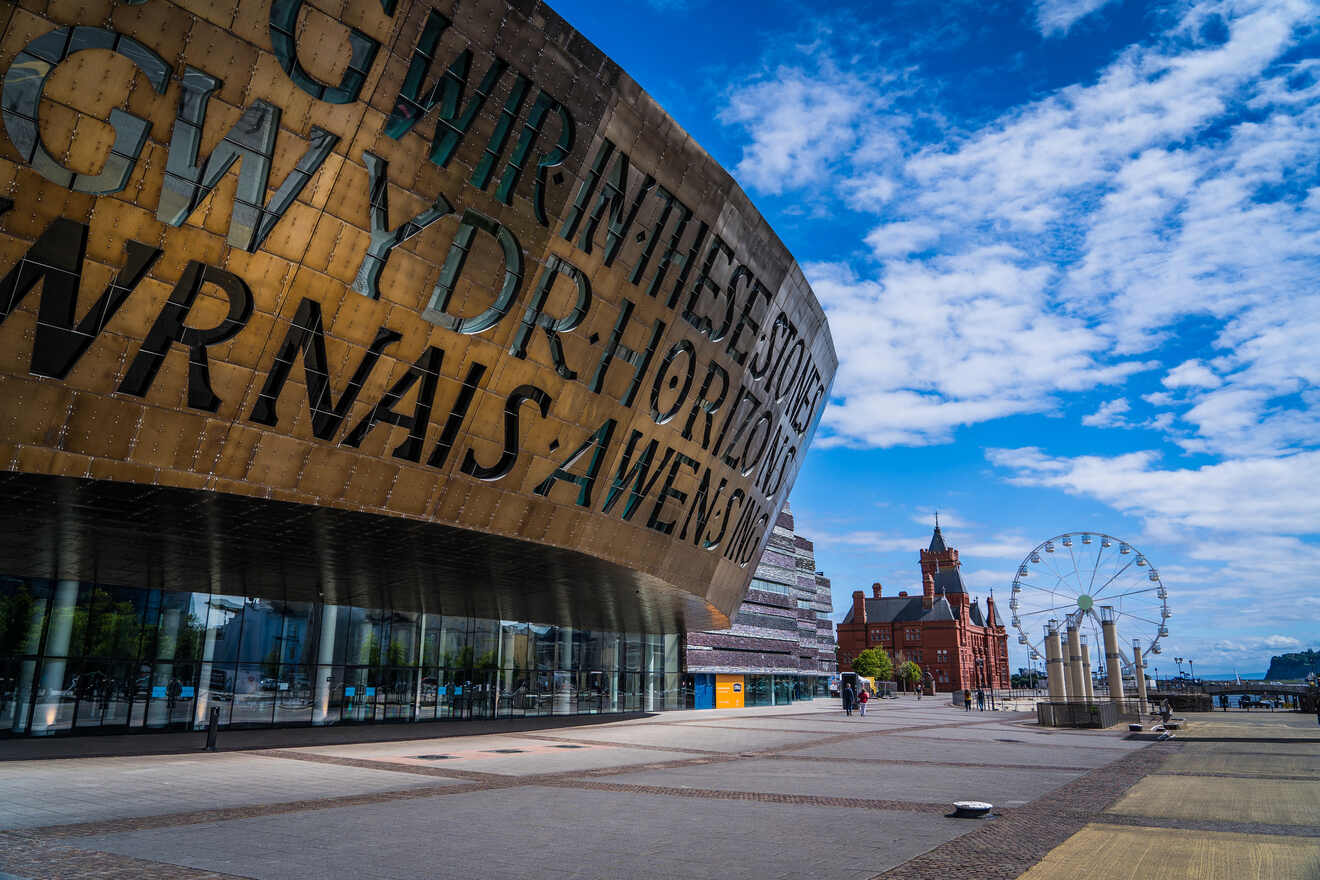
421 296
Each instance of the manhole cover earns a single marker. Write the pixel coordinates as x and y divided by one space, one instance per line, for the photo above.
433 757
971 809
504 751
566 746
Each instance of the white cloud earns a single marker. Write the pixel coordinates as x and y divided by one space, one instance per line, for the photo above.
1108 415
1056 17
800 124
1158 398
1191 374
949 342
1057 247
1277 642
869 192
901 239
1262 496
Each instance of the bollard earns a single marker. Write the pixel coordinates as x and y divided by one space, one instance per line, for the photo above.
213 729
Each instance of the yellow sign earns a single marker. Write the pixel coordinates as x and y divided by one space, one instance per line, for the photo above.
728 692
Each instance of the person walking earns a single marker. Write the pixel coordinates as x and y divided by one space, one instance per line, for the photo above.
848 696
863 697
967 700
921 686
980 700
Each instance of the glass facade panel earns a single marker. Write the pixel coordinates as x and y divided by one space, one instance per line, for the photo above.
78 656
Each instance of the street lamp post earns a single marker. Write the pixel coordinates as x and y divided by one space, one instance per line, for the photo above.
1191 669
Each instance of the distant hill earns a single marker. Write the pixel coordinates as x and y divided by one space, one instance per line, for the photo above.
1288 666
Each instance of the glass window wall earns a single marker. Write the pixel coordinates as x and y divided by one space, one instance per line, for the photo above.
81 657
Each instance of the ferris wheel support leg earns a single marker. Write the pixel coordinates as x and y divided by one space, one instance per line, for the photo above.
1054 668
1139 668
1076 690
1086 674
1111 661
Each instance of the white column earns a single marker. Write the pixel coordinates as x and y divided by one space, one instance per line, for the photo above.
612 662
325 665
200 719
171 616
59 632
27 674
649 646
563 668
421 666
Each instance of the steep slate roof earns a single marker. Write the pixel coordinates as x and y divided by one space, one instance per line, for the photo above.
948 580
937 541
975 613
904 609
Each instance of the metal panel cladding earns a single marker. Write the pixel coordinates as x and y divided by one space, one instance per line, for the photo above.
435 261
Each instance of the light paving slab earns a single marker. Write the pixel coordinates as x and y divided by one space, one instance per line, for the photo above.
914 748
689 736
511 756
61 792
1108 852
1216 799
845 779
1029 733
584 834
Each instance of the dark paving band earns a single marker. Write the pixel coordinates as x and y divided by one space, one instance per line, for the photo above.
1211 825
1225 775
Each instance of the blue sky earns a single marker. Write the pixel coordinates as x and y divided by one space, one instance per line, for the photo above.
1070 253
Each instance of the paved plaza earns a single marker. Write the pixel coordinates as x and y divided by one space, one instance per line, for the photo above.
783 792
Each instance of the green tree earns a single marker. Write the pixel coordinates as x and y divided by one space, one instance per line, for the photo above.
909 673
874 663
1025 679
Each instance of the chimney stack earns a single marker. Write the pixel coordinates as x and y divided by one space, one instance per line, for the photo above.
875 589
859 607
928 591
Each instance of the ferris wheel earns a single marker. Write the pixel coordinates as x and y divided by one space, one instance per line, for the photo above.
1082 578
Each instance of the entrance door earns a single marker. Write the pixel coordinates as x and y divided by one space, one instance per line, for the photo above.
703 689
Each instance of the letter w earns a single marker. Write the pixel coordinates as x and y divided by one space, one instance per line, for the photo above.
56 260
641 487
252 142
411 105
307 335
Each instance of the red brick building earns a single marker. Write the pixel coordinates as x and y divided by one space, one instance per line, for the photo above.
943 629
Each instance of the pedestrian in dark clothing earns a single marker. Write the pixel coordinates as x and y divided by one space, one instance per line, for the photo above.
980 699
849 697
967 700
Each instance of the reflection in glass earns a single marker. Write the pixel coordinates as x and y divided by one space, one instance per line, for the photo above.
82 656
